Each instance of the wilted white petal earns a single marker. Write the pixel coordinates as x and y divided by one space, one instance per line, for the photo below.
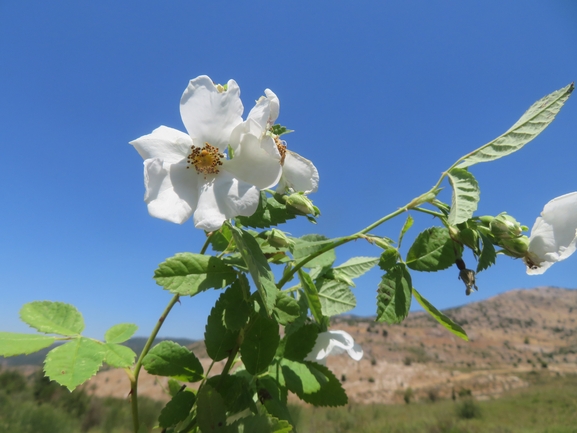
554 234
165 143
223 198
334 343
208 114
299 174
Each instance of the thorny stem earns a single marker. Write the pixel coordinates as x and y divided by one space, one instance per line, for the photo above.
135 372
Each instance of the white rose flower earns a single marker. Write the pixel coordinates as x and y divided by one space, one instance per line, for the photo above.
334 343
298 173
554 234
215 171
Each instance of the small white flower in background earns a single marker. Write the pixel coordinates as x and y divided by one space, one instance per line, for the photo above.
554 234
334 343
215 171
298 173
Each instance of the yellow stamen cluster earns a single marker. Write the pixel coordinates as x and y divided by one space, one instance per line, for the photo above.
205 159
281 149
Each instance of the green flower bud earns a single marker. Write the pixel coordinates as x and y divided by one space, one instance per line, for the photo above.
470 238
278 239
505 227
302 203
517 247
486 220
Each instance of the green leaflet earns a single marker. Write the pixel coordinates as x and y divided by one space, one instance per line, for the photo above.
531 124
75 362
433 250
310 244
120 333
235 390
211 410
259 344
312 295
354 268
177 409
173 360
269 213
218 339
466 195
440 317
488 254
286 309
408 224
336 298
118 356
189 274
53 317
12 344
299 343
394 295
258 267
388 259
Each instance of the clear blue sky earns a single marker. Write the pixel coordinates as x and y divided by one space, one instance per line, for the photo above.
383 97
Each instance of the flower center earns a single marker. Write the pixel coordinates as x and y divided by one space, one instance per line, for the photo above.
205 159
281 149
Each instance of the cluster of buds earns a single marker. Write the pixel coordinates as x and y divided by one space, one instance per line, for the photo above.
506 232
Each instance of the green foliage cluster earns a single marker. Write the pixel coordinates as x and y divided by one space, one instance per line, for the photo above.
265 331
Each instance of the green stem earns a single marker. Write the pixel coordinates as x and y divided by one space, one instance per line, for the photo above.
430 212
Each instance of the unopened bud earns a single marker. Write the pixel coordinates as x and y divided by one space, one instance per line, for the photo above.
470 238
517 247
505 227
278 239
302 203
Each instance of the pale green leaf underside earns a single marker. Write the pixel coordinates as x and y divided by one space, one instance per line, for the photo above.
312 295
189 274
440 317
336 298
53 317
75 362
118 356
531 124
466 195
120 333
355 267
12 344
310 244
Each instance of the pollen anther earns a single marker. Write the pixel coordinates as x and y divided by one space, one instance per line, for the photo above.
205 159
281 146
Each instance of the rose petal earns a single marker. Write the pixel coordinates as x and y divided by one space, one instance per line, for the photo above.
168 144
299 174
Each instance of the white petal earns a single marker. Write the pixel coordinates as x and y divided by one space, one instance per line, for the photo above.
334 343
222 198
274 105
299 174
554 234
260 114
255 162
210 115
168 144
171 190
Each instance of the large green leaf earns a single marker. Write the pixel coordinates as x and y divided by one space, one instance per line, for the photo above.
286 309
336 298
394 295
488 255
258 267
177 409
170 359
75 362
259 344
466 195
354 268
235 390
440 317
12 344
53 317
531 124
211 410
433 250
219 339
260 424
120 333
299 343
310 244
189 274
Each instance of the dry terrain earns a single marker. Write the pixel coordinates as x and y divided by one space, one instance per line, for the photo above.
510 334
